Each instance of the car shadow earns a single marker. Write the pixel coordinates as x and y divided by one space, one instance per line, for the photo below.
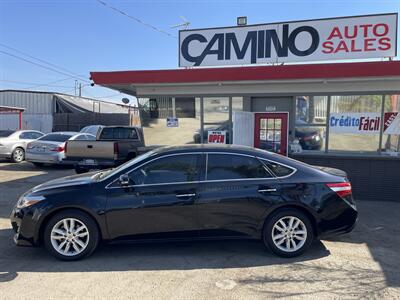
187 255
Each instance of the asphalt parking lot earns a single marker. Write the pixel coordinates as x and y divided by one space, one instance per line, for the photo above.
362 264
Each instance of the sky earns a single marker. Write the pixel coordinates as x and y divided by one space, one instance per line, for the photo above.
79 36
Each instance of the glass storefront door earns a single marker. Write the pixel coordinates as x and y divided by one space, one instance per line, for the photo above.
271 132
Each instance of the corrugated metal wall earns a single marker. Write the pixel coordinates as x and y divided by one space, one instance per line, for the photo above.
38 110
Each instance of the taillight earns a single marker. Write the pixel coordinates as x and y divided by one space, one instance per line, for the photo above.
342 189
57 149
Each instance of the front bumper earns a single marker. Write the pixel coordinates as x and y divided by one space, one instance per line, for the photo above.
24 222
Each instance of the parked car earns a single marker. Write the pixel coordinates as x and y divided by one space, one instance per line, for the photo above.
13 143
50 148
113 146
193 191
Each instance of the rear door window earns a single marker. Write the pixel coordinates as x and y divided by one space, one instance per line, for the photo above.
229 166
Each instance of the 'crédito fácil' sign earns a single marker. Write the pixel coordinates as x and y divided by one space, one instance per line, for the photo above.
364 123
359 37
216 137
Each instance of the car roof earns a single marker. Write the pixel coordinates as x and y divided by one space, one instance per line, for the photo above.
210 148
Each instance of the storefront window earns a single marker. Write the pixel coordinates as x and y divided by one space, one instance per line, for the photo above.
310 124
216 109
391 133
154 113
216 115
354 123
311 109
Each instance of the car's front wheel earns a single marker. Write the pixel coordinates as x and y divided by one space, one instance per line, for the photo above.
288 232
71 235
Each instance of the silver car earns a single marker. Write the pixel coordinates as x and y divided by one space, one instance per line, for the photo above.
50 148
13 143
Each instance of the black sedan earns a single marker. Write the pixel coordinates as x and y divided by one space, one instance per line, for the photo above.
198 191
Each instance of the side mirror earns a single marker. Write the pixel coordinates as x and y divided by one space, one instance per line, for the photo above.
124 179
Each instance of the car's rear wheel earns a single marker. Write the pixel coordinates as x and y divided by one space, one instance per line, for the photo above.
71 235
288 232
18 155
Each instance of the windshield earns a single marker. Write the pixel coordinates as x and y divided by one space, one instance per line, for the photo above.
55 137
6 133
107 173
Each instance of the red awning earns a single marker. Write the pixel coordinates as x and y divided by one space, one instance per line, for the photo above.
259 73
11 110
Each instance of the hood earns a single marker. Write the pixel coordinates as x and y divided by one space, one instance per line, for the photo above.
73 180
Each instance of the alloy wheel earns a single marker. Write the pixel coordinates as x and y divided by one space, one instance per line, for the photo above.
18 155
69 237
289 234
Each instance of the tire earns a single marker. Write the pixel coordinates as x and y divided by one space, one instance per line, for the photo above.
277 239
79 170
81 245
37 164
18 155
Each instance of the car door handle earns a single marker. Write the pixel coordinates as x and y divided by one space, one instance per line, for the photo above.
266 190
185 195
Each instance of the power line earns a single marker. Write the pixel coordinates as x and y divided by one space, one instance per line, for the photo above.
50 84
45 62
137 20
39 65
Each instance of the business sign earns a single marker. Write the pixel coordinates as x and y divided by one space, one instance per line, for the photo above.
172 122
364 123
392 123
216 137
360 37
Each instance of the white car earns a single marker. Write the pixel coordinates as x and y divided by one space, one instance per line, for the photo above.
49 149
13 143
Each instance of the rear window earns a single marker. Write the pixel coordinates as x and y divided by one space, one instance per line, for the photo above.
55 137
278 169
118 134
6 133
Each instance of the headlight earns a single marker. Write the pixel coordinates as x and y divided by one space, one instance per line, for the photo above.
26 201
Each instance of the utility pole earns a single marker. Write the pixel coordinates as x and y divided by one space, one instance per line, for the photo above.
80 89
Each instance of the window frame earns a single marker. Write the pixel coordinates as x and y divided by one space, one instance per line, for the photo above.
202 162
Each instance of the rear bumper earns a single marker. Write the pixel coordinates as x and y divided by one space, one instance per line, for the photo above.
98 162
342 221
56 158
